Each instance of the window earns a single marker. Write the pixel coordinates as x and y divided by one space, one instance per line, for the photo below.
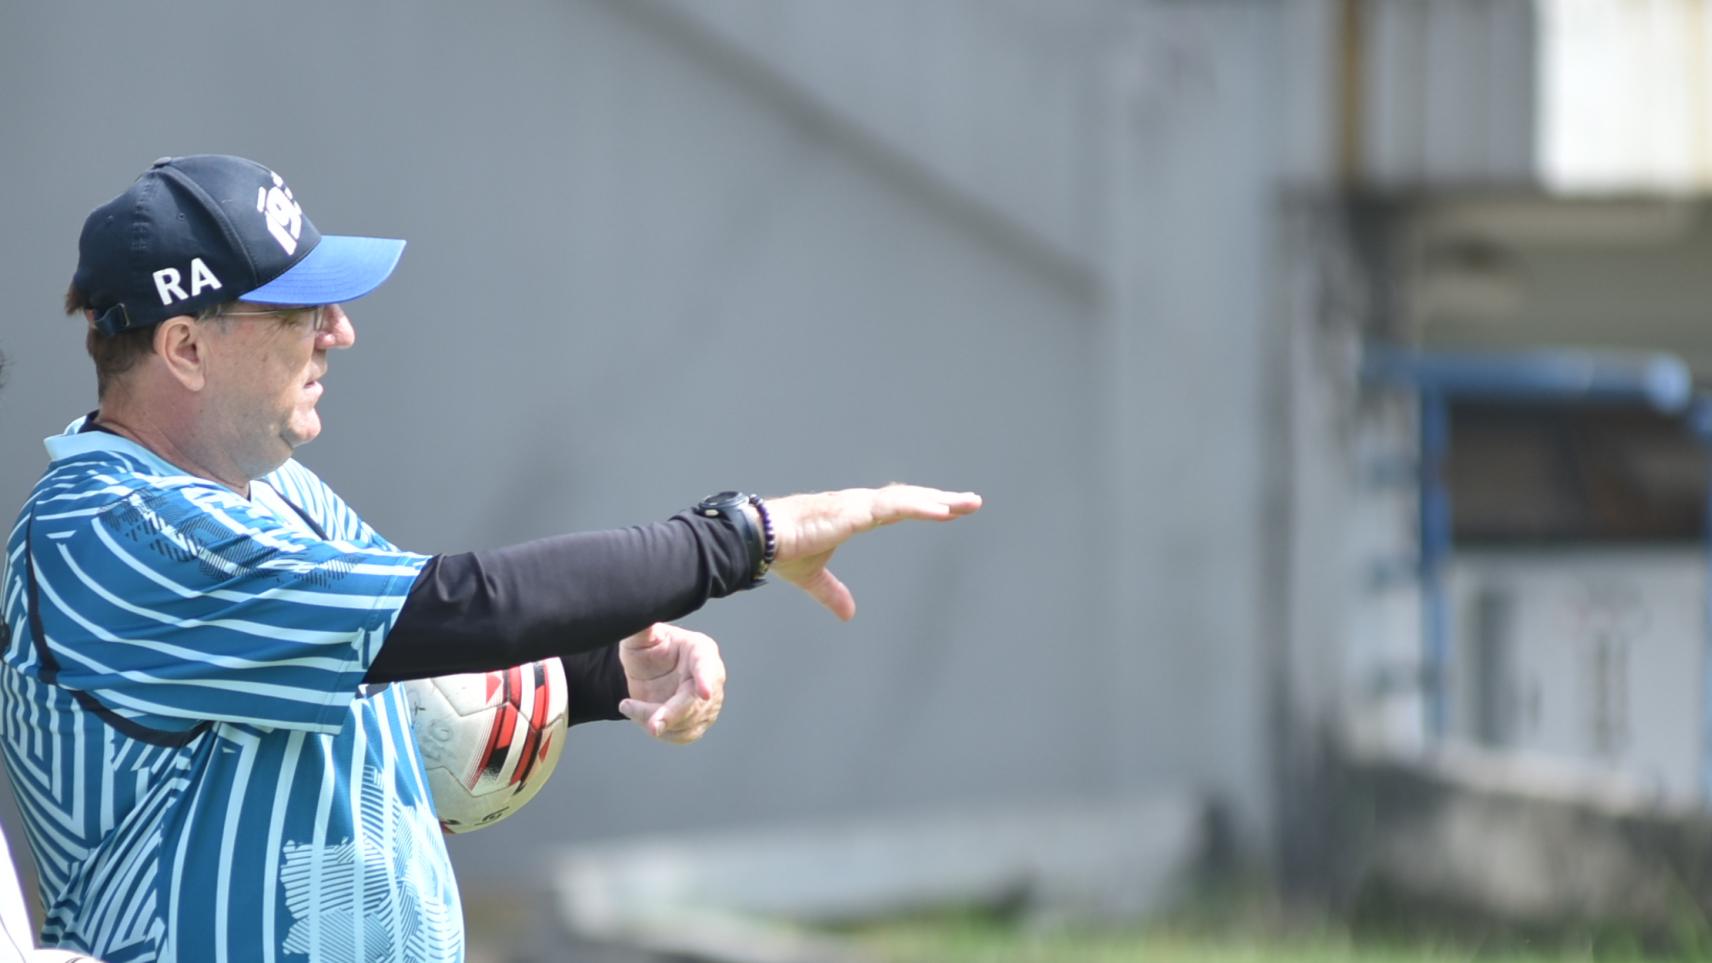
1555 473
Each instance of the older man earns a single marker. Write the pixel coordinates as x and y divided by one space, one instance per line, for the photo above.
207 755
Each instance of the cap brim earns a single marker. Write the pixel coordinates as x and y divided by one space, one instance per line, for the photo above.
339 269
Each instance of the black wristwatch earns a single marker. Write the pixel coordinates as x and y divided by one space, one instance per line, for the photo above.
762 544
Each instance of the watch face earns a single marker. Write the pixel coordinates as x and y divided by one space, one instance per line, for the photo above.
723 500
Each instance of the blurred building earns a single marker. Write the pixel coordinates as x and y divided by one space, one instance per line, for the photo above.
1114 263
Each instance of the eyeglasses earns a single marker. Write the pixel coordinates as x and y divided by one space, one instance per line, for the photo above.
321 320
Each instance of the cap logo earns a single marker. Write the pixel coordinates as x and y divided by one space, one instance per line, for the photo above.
169 283
284 216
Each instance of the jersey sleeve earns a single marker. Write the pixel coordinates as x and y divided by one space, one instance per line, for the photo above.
174 606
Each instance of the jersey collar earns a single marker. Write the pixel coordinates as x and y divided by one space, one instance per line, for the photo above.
79 439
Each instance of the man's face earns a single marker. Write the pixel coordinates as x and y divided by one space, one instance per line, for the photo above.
264 378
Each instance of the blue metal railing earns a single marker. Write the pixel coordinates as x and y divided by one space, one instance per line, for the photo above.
1658 381
1699 418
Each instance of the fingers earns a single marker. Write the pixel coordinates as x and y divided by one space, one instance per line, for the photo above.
682 719
682 699
655 717
639 712
810 525
707 669
898 502
679 720
651 653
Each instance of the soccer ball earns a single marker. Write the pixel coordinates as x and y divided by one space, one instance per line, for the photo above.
489 740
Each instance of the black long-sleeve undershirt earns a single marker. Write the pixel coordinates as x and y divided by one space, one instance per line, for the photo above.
572 596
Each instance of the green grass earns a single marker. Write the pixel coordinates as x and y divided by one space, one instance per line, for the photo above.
976 939
940 943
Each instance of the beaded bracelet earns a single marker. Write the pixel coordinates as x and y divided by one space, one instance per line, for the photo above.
769 541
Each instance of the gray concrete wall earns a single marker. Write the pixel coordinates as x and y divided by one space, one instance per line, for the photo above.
1195 155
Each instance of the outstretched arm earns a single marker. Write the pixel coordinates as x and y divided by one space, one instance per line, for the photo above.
573 593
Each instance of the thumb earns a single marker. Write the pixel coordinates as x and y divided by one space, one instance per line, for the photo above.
638 711
825 588
643 640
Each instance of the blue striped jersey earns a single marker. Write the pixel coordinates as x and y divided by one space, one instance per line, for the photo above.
202 773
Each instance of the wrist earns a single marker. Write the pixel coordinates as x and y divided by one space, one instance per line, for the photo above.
749 516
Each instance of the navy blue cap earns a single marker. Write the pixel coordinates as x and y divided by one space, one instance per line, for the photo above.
193 232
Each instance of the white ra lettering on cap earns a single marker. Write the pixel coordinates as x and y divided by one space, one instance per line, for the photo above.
169 285
284 216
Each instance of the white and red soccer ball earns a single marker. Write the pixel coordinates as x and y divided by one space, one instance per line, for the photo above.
489 740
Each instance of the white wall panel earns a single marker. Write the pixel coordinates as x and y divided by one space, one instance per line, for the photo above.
1448 97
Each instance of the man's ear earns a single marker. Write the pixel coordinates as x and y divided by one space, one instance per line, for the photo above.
182 346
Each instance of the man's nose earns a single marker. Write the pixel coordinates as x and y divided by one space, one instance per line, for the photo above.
337 331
